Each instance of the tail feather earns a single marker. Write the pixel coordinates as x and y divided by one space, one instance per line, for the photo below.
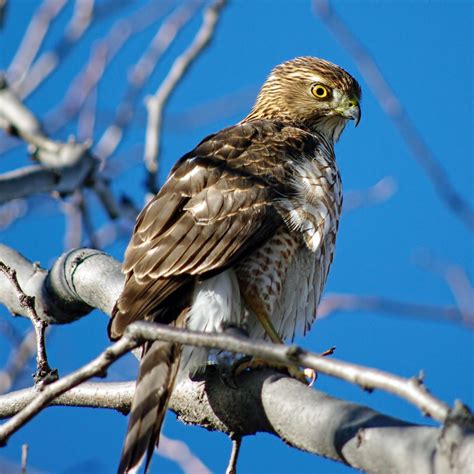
158 368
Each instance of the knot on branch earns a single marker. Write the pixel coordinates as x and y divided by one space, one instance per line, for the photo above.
60 287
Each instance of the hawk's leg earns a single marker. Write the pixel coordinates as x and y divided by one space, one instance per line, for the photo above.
307 376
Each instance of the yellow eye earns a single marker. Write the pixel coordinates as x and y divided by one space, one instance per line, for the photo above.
319 91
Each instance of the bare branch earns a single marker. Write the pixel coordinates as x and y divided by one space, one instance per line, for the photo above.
178 452
11 211
139 332
79 281
156 103
34 36
94 368
102 54
393 108
84 279
304 418
108 395
85 14
458 281
234 455
376 194
366 377
67 166
73 221
24 457
18 360
44 373
335 302
140 73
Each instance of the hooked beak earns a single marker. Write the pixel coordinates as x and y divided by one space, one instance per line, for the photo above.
351 110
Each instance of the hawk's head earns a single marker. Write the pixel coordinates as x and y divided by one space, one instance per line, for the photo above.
311 93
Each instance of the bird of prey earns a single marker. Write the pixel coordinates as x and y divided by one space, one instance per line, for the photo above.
242 231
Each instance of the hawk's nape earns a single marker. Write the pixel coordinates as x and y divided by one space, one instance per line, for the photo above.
242 231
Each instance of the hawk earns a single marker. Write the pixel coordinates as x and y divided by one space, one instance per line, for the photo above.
243 230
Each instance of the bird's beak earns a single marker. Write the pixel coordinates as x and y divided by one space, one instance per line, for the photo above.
350 110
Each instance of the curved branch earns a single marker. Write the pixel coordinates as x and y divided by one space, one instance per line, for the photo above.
307 419
84 279
157 102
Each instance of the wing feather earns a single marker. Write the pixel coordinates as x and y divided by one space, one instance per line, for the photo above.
218 205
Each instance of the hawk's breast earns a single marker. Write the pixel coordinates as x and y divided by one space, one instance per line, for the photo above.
287 274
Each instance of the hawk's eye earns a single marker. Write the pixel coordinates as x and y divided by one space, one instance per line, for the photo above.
319 91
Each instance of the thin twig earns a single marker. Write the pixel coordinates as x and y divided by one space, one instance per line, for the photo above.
179 452
94 368
73 226
156 103
334 302
137 333
85 14
24 457
234 455
17 361
34 36
44 374
393 108
140 73
380 192
458 281
102 54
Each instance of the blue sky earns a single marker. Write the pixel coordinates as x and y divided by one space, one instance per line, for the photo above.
424 49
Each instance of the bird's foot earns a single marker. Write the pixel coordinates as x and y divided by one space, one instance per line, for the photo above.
306 376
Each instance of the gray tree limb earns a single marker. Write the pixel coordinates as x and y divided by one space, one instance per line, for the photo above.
83 279
304 418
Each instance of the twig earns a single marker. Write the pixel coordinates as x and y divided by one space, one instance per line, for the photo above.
11 211
85 14
395 111
72 214
102 54
458 281
18 360
24 457
94 368
234 455
179 452
87 117
334 302
78 219
137 333
142 70
366 377
156 103
376 194
304 418
34 36
19 120
44 373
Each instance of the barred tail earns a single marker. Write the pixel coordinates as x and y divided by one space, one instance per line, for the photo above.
158 368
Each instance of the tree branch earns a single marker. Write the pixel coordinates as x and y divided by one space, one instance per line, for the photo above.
44 373
84 279
140 73
304 418
156 103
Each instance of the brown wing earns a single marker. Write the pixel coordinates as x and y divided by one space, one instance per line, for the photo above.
217 206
